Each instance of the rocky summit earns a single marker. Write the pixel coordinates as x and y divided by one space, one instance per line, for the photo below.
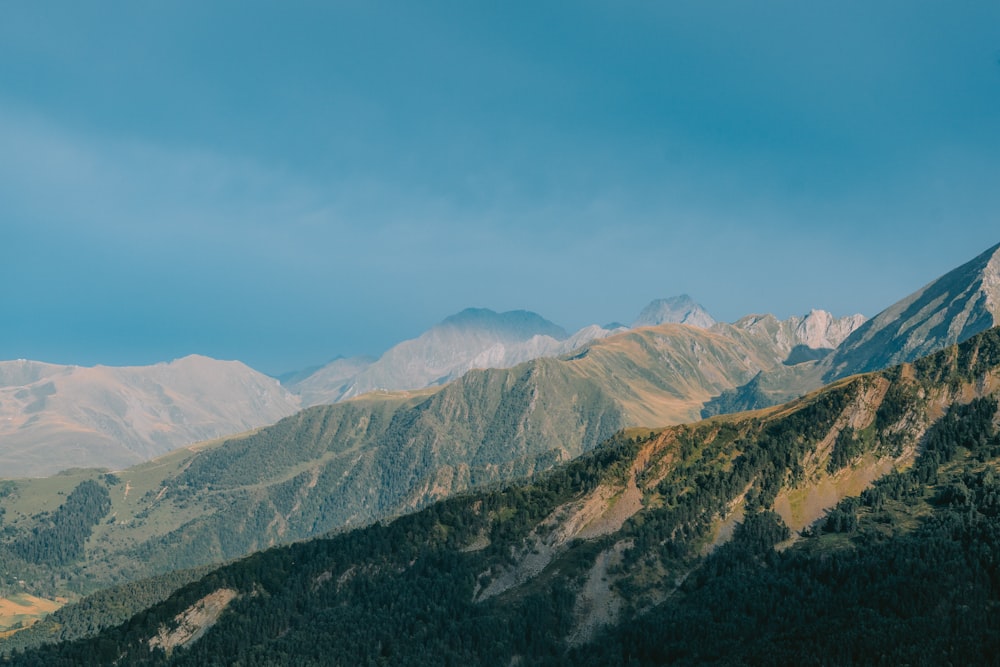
949 310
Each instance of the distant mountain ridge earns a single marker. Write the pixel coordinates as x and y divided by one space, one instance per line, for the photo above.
482 338
472 338
101 417
512 325
674 310
55 417
329 383
809 351
817 330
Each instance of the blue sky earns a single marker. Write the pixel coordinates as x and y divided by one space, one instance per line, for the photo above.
285 182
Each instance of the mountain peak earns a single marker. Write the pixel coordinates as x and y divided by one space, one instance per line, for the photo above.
516 324
680 309
819 329
951 309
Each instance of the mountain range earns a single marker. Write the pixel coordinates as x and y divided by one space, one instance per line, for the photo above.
55 417
473 338
386 454
949 310
655 548
380 455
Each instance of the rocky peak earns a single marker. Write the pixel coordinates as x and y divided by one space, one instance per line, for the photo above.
951 309
513 324
819 329
991 282
677 310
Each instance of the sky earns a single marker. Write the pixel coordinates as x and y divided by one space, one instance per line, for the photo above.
285 182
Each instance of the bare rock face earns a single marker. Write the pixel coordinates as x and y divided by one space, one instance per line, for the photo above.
190 625
820 329
817 330
675 310
55 417
948 310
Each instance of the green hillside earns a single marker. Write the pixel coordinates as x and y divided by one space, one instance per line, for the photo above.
656 547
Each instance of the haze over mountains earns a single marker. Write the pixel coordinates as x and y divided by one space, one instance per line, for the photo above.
56 417
481 338
113 417
473 338
678 309
383 454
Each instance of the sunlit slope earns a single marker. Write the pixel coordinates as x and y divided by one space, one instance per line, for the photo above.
948 310
663 375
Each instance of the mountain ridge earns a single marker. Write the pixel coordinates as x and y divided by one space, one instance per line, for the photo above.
472 338
949 309
118 431
482 338
54 417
